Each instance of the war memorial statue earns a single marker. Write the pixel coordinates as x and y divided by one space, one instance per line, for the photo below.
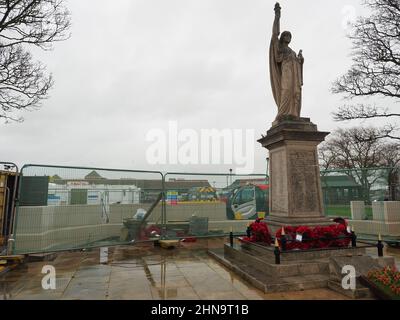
295 186
286 71
295 201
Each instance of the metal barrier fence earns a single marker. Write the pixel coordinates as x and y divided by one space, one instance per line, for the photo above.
66 208
369 186
213 204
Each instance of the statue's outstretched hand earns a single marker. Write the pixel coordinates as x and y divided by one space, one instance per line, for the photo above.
277 10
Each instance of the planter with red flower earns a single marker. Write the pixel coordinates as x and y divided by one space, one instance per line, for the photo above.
385 283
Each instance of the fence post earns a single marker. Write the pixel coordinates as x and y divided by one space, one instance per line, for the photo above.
380 246
163 209
277 252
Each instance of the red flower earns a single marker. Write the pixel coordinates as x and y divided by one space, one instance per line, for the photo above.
260 233
388 277
317 237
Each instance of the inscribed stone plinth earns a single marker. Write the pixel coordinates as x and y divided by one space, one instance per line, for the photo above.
295 186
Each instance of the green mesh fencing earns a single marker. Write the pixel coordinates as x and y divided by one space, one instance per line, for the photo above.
369 198
66 208
207 205
362 187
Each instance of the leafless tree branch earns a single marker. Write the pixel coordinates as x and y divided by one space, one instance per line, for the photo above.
24 83
358 149
376 62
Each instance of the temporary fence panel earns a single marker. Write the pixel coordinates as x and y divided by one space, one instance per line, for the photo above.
66 208
367 187
209 205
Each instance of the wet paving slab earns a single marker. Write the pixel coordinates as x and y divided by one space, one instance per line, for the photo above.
143 272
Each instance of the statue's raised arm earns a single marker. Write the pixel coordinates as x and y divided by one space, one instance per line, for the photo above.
276 30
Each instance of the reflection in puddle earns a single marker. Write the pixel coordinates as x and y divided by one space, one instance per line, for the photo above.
163 292
6 289
10 281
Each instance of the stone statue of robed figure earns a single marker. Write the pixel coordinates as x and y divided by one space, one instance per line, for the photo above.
295 193
286 71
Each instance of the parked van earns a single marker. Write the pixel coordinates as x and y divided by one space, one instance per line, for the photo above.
248 203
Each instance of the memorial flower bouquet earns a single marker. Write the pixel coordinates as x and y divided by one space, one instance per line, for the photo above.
301 237
388 280
259 233
304 238
298 238
329 235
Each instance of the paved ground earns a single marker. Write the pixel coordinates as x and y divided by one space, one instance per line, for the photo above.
141 273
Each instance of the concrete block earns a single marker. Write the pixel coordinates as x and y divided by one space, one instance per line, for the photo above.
357 210
392 211
377 211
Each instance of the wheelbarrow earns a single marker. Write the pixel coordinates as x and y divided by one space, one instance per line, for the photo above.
133 227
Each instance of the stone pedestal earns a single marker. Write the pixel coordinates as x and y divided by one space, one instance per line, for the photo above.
296 199
295 185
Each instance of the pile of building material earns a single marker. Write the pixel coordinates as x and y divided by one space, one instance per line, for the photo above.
8 263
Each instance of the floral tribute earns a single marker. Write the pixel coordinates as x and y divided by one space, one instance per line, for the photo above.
319 237
387 279
302 237
259 233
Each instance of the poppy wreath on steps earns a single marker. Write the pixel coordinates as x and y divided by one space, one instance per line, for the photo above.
318 237
259 233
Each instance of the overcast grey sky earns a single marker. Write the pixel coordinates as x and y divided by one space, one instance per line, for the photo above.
133 65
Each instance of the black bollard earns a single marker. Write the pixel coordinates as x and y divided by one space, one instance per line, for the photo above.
277 252
231 238
248 231
380 247
353 239
283 242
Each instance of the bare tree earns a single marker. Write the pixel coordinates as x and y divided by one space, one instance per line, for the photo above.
24 23
357 154
376 65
